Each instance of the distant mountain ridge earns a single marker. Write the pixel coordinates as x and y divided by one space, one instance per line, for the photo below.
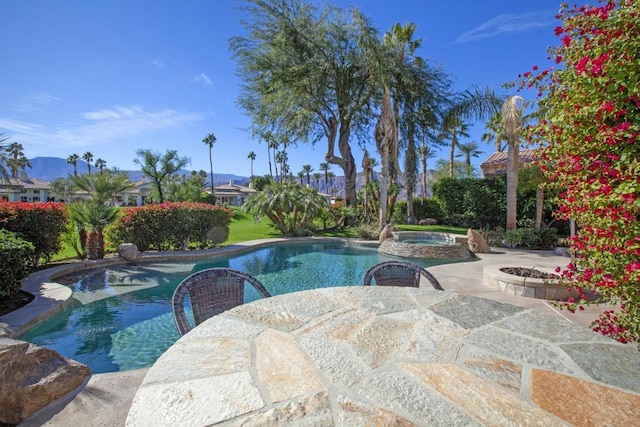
50 168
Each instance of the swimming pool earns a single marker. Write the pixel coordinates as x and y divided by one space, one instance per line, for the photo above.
121 315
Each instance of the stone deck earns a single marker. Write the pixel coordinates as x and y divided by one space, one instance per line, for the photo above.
389 356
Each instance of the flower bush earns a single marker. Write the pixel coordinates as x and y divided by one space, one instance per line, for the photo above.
589 129
171 226
42 224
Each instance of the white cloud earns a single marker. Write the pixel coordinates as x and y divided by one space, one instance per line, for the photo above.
35 102
97 127
202 78
507 23
156 62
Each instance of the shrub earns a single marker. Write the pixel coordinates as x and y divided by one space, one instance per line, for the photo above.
171 226
15 256
472 203
42 224
422 209
591 152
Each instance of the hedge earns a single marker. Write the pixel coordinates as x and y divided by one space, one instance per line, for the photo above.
42 224
170 226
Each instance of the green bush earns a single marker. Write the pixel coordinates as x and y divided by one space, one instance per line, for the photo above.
171 226
42 224
472 203
422 209
15 256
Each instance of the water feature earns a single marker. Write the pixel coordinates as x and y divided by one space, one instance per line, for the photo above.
425 245
121 316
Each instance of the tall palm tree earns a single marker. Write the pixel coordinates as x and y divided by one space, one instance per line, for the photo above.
324 167
252 157
512 120
17 161
307 170
209 140
453 127
301 177
495 132
88 157
316 178
468 150
384 134
101 164
426 153
271 145
73 160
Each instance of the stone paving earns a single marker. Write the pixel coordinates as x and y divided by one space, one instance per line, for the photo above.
389 356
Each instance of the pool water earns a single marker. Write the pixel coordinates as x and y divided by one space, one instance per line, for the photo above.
121 316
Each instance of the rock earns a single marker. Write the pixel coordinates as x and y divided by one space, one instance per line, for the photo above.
477 244
32 378
386 233
128 251
428 221
5 331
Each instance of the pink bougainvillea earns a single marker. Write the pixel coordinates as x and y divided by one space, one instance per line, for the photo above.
590 137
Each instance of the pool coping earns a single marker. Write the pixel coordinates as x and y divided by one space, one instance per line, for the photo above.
51 297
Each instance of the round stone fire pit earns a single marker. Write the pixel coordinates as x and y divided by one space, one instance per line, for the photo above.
535 282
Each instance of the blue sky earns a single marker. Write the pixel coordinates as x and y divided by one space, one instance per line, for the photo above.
111 77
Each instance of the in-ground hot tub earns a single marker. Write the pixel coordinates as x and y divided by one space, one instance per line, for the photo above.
417 244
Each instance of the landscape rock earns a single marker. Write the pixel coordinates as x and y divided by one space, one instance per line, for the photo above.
477 243
428 221
5 331
386 233
32 378
128 251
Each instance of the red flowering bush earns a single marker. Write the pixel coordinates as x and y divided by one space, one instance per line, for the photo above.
171 226
42 224
589 130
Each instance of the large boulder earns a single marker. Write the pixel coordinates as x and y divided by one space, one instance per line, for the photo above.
128 251
477 243
386 233
428 221
32 378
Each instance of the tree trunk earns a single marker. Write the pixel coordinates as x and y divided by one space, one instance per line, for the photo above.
539 207
384 134
452 152
512 185
346 162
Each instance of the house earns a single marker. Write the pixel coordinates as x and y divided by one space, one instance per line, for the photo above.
25 189
232 194
496 164
33 190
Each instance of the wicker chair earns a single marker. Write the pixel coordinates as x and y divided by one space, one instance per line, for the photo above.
211 292
399 273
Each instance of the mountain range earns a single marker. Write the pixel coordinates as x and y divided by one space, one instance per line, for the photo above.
50 168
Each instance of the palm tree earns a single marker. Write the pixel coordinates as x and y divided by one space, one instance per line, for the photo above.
101 164
512 120
494 132
88 157
307 170
91 218
324 167
4 158
271 144
316 178
453 127
252 157
426 153
384 134
73 160
468 150
17 160
209 140
301 177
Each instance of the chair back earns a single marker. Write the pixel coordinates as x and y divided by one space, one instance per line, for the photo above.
399 273
211 292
